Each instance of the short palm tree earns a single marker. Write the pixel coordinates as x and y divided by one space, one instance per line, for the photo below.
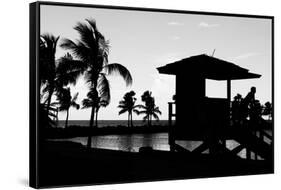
101 103
91 50
267 110
149 108
127 104
65 102
91 101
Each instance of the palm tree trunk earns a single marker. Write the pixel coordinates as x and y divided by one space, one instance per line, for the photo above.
95 82
128 119
149 120
49 99
89 141
131 119
66 120
96 125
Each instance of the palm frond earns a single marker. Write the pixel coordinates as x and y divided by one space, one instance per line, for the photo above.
136 111
145 118
67 64
47 52
140 106
116 68
155 116
104 88
49 42
121 106
103 103
122 111
74 98
90 77
75 105
79 50
156 110
140 112
87 36
87 103
104 51
93 24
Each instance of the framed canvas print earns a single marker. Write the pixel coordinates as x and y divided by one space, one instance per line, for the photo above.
120 94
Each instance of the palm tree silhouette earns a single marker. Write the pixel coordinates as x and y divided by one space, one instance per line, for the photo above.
128 105
54 74
149 109
100 103
267 110
65 102
92 52
47 68
92 101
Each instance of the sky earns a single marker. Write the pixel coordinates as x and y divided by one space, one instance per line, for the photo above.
143 41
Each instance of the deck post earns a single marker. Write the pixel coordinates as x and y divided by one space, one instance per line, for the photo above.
229 105
170 134
229 96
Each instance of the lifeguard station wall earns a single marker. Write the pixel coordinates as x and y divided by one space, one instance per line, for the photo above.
197 116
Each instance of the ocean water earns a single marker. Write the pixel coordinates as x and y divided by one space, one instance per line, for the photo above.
111 123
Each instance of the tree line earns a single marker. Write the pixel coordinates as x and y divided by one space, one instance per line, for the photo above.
87 57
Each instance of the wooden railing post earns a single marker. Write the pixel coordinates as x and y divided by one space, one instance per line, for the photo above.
171 139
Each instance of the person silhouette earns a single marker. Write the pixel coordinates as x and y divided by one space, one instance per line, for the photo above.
250 98
247 103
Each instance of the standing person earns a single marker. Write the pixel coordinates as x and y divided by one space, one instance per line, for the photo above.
250 98
248 102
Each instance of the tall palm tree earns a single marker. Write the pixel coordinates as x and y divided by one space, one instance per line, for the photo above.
66 101
128 105
149 109
54 74
47 67
92 51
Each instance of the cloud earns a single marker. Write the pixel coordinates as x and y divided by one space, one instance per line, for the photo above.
207 25
245 56
163 89
175 23
175 38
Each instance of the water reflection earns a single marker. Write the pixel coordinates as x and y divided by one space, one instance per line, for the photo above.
132 142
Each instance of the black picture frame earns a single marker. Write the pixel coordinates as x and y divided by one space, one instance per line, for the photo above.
38 177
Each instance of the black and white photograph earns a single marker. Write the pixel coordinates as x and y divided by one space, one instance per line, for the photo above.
122 95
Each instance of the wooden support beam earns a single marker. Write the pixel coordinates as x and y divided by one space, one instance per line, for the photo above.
229 92
171 139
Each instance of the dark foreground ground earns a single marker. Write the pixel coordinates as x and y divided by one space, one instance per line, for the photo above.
68 163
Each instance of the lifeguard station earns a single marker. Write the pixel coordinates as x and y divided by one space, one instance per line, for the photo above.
200 118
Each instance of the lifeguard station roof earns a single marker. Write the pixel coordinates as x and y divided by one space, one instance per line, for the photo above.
207 67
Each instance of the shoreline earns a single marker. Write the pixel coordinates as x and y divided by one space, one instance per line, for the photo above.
83 131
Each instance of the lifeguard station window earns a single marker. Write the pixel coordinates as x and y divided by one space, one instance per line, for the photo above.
216 89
